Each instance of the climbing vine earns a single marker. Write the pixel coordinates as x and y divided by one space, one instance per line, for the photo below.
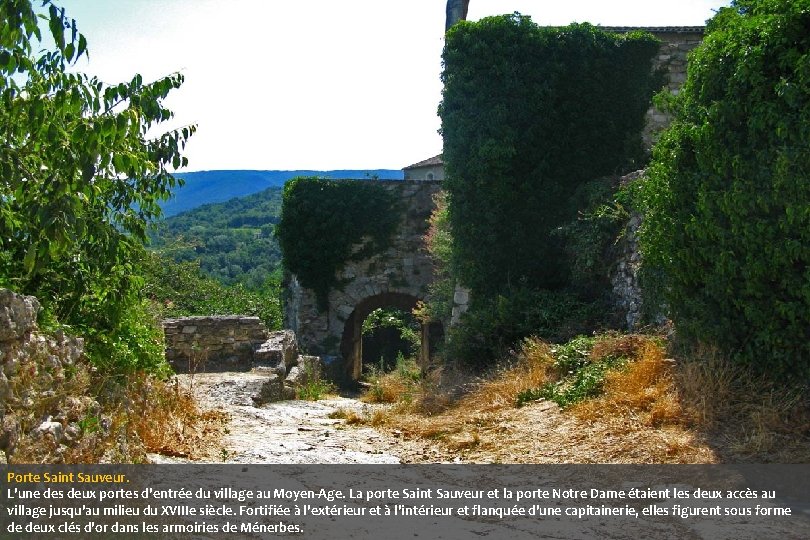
727 201
530 114
322 221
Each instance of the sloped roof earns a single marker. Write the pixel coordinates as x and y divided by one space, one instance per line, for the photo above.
429 162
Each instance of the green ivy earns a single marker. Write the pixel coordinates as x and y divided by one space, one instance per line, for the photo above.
529 115
323 222
590 239
727 198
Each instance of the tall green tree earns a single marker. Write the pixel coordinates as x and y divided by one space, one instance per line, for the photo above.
728 195
80 178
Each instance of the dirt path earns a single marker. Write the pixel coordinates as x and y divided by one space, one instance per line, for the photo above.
301 432
288 431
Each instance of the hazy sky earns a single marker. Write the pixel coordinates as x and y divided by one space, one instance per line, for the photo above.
313 84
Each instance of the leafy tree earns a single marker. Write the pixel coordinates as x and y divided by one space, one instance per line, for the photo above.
233 241
181 289
79 178
529 114
728 197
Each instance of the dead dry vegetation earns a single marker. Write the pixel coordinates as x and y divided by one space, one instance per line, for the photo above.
639 406
172 423
132 416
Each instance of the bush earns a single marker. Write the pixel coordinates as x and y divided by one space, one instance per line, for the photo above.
180 289
580 369
492 327
135 344
590 238
727 198
438 304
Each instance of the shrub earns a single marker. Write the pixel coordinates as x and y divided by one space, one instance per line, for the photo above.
491 328
180 289
727 221
579 373
438 304
134 344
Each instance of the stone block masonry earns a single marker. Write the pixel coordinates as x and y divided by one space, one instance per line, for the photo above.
676 44
195 343
397 277
629 299
238 343
42 398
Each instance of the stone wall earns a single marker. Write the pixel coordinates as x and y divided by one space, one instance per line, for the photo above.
461 303
193 343
404 269
43 386
431 172
624 276
675 46
628 296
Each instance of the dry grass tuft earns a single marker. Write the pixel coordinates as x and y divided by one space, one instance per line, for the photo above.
349 415
452 392
644 389
378 417
387 388
453 406
653 409
750 417
619 345
168 421
123 418
399 385
534 367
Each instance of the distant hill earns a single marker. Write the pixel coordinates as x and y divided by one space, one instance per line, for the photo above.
206 187
233 240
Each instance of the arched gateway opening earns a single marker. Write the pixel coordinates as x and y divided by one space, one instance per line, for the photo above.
351 344
394 277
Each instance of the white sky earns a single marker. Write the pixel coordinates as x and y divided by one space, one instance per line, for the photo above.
313 84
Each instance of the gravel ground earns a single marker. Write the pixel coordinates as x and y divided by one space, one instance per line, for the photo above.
288 431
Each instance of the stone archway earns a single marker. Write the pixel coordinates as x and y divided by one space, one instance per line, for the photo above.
351 343
397 277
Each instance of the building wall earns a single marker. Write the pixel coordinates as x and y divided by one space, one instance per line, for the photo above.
675 46
404 269
422 173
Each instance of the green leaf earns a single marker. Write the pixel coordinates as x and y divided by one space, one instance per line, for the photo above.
30 259
57 26
82 46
